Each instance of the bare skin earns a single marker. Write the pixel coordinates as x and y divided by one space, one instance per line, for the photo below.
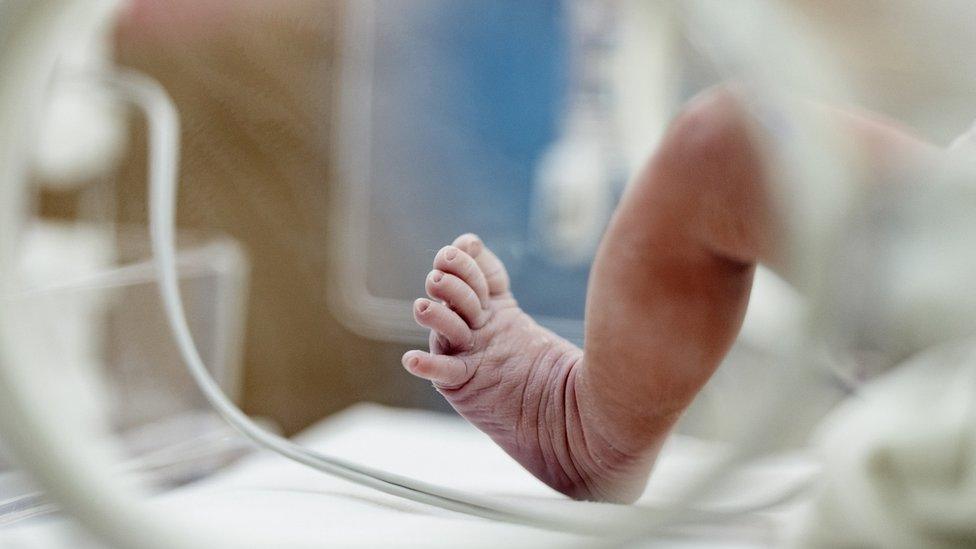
667 296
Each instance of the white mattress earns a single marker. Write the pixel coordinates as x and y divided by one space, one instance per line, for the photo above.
286 504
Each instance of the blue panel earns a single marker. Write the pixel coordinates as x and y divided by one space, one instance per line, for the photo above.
467 98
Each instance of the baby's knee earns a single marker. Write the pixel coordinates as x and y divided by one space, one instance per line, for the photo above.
705 153
708 171
711 130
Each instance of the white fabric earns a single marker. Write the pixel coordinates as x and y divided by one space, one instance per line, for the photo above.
900 461
900 458
966 141
283 504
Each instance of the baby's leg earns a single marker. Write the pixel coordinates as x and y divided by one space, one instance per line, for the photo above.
672 277
667 295
671 281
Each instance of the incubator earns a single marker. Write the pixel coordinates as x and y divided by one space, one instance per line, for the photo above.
121 346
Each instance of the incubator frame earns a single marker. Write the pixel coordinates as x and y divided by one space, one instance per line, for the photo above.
70 462
358 308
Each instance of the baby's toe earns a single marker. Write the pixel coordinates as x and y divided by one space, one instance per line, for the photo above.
448 325
457 295
457 262
493 269
447 372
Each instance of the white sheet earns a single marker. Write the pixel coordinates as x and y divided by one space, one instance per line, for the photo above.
285 504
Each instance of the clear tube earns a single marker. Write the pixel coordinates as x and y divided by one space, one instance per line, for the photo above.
164 135
163 126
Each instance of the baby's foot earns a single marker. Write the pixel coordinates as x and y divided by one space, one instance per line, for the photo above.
515 380
667 295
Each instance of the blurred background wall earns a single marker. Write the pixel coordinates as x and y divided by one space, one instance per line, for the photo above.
253 81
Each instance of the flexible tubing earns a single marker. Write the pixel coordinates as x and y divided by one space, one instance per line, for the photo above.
163 129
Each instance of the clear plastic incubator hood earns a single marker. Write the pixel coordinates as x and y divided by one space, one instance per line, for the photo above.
120 345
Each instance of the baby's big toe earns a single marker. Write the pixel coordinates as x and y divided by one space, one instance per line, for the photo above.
458 295
451 259
496 277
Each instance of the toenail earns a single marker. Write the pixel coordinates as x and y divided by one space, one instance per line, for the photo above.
423 306
437 276
412 362
450 254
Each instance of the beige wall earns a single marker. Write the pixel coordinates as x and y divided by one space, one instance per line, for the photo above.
254 88
912 60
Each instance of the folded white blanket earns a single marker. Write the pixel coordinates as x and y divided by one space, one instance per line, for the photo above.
900 459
